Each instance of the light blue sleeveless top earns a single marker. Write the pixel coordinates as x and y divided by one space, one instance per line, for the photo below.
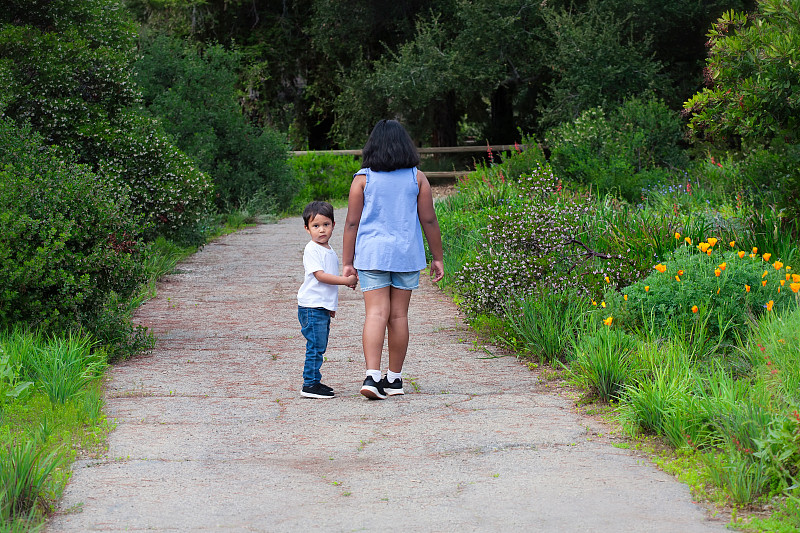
389 235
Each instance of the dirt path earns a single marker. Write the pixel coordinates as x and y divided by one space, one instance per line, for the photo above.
212 433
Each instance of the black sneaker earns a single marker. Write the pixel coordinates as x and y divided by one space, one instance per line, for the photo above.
373 390
394 388
317 390
325 387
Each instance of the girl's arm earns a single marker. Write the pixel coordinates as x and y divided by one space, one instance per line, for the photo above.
430 225
355 204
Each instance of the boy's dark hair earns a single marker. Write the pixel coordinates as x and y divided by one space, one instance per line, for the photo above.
317 208
389 147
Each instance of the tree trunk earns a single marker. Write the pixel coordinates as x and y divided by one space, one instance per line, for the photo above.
445 121
501 126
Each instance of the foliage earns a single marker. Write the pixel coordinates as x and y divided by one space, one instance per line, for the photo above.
547 324
623 151
323 177
595 63
68 244
753 84
721 289
68 68
194 95
601 361
38 437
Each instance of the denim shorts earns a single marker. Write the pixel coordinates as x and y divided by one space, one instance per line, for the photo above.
378 279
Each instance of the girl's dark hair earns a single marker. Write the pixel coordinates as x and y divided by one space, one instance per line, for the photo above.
389 147
317 208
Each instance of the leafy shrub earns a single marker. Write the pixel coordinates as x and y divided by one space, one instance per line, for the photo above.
194 94
695 286
627 150
68 241
322 177
68 69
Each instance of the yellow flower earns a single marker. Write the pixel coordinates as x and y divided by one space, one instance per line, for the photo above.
688 240
608 321
647 288
718 288
741 254
717 272
602 304
723 266
608 280
677 278
703 246
677 235
594 303
764 283
712 241
796 278
661 268
783 281
755 250
752 256
709 252
625 297
747 288
732 243
764 275
795 287
778 265
694 309
680 272
769 305
788 268
766 256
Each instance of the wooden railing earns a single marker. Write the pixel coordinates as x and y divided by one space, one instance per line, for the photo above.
434 150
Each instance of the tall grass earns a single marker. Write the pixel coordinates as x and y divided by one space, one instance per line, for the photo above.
547 324
25 470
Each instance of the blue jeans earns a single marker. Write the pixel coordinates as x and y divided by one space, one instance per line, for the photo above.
315 324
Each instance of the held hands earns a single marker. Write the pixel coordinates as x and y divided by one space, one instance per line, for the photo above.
437 270
351 280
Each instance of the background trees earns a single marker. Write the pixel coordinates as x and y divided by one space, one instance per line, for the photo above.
325 72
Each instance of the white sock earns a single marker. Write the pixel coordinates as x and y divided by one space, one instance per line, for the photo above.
392 376
374 374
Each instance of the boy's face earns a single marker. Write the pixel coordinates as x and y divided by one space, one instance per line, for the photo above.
320 228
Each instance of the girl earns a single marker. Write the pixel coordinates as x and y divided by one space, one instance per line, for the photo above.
389 200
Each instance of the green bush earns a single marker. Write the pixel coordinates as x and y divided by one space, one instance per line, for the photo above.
67 65
322 177
193 92
68 241
696 287
626 150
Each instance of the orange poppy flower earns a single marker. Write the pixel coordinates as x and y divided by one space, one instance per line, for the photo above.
694 309
766 256
661 268
795 287
747 288
712 241
778 265
608 321
769 305
717 272
741 254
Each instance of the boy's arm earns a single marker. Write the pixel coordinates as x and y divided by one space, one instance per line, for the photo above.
430 226
333 279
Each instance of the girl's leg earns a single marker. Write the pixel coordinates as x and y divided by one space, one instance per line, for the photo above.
398 327
377 311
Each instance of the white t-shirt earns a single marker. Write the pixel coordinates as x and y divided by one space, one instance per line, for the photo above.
312 293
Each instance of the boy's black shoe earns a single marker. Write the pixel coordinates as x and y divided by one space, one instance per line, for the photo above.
394 388
372 390
317 390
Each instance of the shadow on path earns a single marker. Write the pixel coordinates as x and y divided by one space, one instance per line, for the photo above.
212 433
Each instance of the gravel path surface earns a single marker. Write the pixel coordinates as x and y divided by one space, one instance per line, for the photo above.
212 433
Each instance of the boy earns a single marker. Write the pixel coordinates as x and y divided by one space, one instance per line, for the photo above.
318 296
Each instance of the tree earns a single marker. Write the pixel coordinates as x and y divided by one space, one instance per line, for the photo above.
753 90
